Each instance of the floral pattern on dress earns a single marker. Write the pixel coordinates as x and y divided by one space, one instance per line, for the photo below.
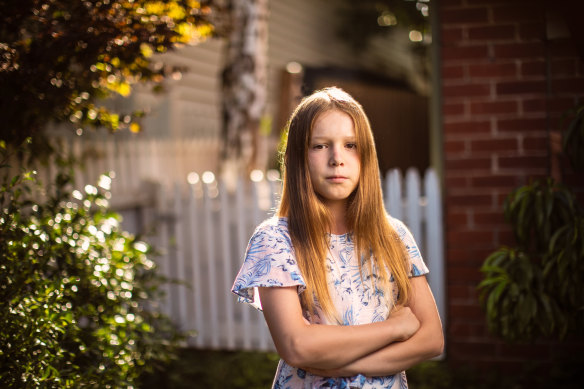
270 262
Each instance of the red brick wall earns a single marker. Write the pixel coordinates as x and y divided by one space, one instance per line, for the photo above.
505 85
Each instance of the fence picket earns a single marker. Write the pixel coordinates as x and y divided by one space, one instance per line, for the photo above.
393 198
213 321
180 254
225 211
196 265
413 215
435 241
242 238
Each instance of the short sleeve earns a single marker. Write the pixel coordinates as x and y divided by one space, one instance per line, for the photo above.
269 262
418 266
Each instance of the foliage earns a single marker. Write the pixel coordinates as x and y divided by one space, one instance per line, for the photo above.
58 57
74 291
537 288
573 139
362 20
215 369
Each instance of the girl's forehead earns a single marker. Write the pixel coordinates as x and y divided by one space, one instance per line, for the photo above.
332 122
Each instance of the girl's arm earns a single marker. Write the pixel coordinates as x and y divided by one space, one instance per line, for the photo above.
301 344
426 343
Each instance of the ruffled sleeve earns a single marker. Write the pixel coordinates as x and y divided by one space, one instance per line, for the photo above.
418 266
269 262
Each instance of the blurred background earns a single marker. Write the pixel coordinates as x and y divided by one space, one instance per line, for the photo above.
476 109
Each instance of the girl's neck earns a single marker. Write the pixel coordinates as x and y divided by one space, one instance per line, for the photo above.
338 212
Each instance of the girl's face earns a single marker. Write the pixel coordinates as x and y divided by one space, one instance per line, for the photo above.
333 158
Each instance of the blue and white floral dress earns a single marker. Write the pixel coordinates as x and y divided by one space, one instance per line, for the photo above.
270 262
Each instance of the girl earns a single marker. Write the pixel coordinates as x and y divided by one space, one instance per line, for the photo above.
340 282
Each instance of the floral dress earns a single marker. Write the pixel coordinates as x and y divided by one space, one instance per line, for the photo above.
270 262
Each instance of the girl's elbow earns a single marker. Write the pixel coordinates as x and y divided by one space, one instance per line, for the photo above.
436 346
295 353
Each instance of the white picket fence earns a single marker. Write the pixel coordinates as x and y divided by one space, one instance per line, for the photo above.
201 225
207 230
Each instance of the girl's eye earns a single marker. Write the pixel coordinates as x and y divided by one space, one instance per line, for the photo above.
351 145
318 147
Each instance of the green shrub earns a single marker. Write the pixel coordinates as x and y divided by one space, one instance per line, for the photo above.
537 288
74 291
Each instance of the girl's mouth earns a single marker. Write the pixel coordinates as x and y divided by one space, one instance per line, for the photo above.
336 178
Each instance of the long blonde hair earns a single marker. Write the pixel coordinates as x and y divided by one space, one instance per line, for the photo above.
309 219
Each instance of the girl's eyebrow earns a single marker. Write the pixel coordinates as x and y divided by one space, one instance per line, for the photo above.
318 138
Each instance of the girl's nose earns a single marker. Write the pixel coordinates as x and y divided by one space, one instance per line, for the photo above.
336 158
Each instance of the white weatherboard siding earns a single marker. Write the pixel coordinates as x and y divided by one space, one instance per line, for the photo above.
183 124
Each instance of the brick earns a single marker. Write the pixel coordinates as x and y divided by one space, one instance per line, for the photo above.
568 85
471 350
518 13
493 107
494 181
454 146
520 87
535 143
491 33
456 182
519 50
465 200
560 104
492 218
458 218
532 31
563 48
460 293
452 72
450 3
501 197
513 125
534 105
464 16
453 109
451 35
466 164
467 310
467 127
523 162
466 274
494 145
563 67
464 52
487 2
523 351
533 69
471 256
505 238
488 70
466 90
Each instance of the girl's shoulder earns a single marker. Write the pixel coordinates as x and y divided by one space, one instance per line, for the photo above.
274 223
273 226
397 225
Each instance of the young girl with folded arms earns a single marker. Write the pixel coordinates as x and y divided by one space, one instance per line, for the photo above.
341 283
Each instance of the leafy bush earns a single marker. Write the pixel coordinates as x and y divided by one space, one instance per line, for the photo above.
74 291
537 288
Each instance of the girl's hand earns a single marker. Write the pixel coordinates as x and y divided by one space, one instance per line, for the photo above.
405 323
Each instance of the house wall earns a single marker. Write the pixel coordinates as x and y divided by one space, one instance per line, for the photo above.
509 71
302 31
